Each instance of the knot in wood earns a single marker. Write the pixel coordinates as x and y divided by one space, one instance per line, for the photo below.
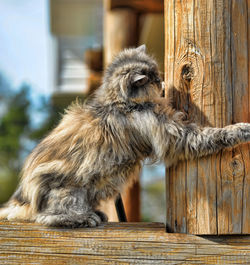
233 170
187 72
237 167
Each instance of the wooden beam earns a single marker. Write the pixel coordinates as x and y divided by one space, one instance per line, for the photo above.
113 243
141 6
132 202
207 74
120 32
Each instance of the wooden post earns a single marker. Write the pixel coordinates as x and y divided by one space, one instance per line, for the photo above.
207 72
120 31
94 60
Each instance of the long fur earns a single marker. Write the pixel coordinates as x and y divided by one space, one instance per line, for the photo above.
94 151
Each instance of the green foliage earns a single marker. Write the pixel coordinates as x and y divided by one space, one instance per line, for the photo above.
18 135
8 182
153 201
14 128
14 125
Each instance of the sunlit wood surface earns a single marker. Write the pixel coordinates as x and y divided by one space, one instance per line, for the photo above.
116 243
207 74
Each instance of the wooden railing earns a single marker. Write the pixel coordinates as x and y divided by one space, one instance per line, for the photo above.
116 243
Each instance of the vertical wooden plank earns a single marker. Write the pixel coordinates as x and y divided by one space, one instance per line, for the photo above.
246 187
223 183
169 13
180 199
241 108
233 165
206 183
191 197
207 66
246 192
185 63
206 197
169 196
239 50
131 200
224 188
120 31
230 197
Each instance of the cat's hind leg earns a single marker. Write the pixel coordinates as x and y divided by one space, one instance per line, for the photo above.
69 208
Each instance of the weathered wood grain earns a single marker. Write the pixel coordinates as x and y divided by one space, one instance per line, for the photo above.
116 243
207 74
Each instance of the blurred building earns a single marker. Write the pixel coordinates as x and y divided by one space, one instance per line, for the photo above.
75 25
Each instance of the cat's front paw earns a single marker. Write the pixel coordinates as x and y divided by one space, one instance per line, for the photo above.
244 131
92 219
72 220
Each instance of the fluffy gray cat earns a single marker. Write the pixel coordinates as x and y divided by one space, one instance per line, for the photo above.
96 148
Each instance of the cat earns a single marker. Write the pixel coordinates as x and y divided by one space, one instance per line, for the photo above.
96 148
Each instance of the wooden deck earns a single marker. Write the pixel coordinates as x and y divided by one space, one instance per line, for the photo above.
116 243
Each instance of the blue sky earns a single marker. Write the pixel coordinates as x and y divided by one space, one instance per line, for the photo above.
24 41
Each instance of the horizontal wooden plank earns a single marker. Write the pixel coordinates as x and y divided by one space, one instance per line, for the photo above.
120 243
151 6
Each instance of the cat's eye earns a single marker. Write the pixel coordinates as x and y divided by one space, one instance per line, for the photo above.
139 80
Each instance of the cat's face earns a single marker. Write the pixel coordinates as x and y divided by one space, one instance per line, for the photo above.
134 75
144 80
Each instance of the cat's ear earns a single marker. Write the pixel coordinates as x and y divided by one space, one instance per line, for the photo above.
141 48
139 80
